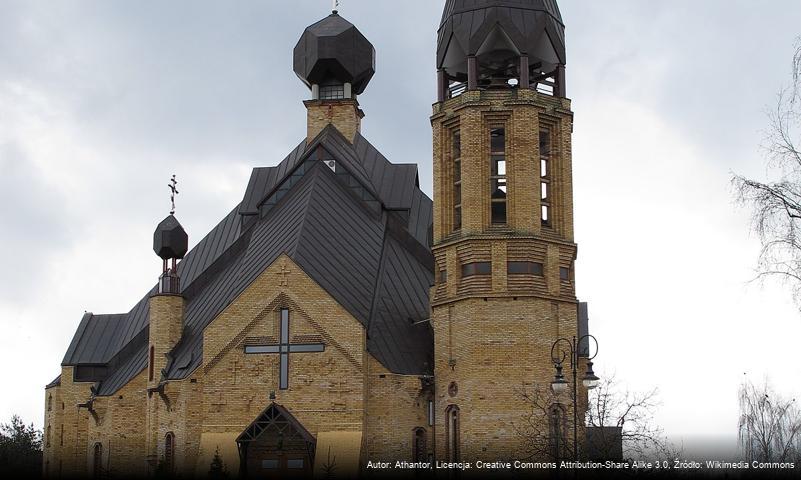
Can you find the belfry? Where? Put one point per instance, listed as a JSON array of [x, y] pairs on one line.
[[503, 217], [337, 316]]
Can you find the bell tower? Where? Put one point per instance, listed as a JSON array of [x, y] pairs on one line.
[[503, 219]]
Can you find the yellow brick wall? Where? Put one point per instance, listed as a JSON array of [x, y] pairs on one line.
[[120, 429], [166, 325], [493, 333], [344, 114], [493, 350], [66, 453], [396, 406]]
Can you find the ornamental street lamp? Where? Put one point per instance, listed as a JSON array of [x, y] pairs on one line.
[[559, 385]]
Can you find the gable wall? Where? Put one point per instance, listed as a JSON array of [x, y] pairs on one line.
[[326, 390]]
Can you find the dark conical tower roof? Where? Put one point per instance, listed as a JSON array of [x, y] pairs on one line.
[[170, 240], [496, 31], [333, 49]]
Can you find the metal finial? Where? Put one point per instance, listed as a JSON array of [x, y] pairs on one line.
[[335, 9], [173, 192]]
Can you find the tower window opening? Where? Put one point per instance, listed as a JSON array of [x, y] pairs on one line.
[[564, 274], [498, 186], [545, 176], [525, 268], [546, 85], [332, 92], [557, 432], [457, 181], [476, 268]]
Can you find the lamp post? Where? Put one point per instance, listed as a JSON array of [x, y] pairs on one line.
[[559, 385]]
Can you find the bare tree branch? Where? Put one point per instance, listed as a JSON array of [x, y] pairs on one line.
[[777, 204], [769, 425]]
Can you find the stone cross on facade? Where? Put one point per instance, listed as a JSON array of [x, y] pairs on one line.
[[284, 281], [283, 349]]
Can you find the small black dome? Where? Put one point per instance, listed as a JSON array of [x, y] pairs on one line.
[[334, 50], [498, 32], [170, 240]]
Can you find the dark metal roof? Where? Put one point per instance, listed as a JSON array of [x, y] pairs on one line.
[[55, 383], [334, 49], [471, 27], [395, 185], [376, 263], [170, 239]]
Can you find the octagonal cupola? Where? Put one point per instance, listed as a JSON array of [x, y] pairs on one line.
[[501, 44], [170, 242], [334, 59]]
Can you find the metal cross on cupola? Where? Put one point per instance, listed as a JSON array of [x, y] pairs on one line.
[[283, 349], [173, 185]]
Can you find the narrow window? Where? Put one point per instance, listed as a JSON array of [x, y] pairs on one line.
[[556, 432], [61, 436], [419, 450], [525, 268], [498, 175], [169, 452], [283, 381], [48, 435], [457, 181], [564, 274], [545, 176], [50, 402], [294, 464], [443, 276], [476, 268], [97, 468], [150, 363], [452, 416]]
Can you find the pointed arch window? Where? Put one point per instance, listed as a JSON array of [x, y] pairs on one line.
[[97, 460], [419, 449], [557, 432], [169, 452], [452, 433]]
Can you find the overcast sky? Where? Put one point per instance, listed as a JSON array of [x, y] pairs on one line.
[[101, 101]]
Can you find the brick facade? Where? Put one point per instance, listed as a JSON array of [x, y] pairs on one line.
[[342, 389], [494, 330]]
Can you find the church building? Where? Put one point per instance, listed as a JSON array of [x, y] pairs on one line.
[[338, 316]]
